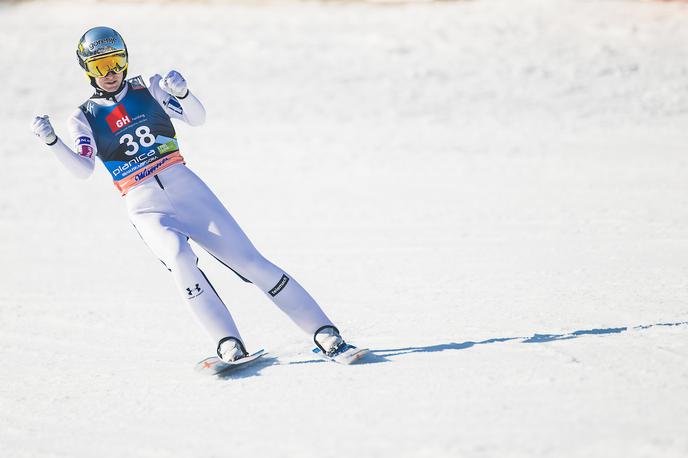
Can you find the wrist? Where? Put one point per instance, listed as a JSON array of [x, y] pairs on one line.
[[186, 94], [51, 141]]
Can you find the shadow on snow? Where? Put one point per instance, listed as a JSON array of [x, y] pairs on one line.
[[382, 355], [249, 371]]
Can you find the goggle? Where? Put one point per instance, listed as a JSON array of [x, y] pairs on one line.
[[100, 66]]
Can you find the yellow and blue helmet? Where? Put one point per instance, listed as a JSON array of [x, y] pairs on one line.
[[102, 50]]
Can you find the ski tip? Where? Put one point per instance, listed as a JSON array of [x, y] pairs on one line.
[[209, 364]]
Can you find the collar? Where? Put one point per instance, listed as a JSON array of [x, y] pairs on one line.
[[114, 97]]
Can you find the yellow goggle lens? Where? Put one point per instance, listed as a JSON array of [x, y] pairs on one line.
[[102, 65]]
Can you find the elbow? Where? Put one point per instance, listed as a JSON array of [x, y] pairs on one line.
[[195, 111], [84, 171], [79, 166], [84, 174], [198, 119]]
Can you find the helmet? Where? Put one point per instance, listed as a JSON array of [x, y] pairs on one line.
[[102, 50]]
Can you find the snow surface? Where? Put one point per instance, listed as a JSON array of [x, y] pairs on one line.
[[490, 194]]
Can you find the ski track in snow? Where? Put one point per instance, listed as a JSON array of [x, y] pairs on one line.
[[491, 195]]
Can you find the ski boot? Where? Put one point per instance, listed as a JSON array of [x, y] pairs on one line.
[[331, 346]]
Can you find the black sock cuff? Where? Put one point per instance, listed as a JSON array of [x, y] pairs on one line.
[[320, 329]]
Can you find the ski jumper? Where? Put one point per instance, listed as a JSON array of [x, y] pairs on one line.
[[168, 204]]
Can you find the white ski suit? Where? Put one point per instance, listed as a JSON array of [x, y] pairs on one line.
[[168, 204]]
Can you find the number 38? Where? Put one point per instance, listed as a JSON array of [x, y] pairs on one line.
[[145, 138]]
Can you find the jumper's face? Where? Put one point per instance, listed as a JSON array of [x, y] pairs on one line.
[[110, 82]]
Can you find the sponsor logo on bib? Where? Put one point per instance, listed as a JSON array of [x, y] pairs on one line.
[[118, 119], [137, 83]]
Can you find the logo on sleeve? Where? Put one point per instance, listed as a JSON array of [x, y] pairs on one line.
[[174, 105], [118, 119], [83, 147]]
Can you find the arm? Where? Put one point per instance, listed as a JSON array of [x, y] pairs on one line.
[[81, 163], [172, 94]]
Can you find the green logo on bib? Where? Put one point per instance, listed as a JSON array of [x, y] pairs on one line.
[[168, 147]]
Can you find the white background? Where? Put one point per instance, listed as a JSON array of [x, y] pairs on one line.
[[447, 179]]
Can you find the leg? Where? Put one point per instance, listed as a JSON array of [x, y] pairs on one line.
[[212, 227], [235, 250], [172, 248]]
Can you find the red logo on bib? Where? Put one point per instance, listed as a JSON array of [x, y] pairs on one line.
[[118, 118]]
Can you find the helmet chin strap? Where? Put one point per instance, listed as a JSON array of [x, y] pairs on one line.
[[103, 94]]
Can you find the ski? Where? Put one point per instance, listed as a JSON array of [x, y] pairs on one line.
[[347, 355], [214, 365]]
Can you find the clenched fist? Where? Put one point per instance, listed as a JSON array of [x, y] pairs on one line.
[[44, 130], [174, 84]]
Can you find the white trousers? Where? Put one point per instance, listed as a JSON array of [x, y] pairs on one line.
[[176, 205]]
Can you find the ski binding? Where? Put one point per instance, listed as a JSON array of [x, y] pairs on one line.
[[347, 354]]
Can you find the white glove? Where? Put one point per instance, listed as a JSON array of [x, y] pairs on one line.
[[43, 130], [174, 84]]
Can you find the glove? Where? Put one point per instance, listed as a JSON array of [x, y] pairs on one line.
[[174, 84], [42, 128]]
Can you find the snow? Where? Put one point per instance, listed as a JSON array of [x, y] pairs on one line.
[[491, 195]]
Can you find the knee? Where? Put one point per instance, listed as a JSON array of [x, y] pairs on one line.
[[179, 256], [253, 265]]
